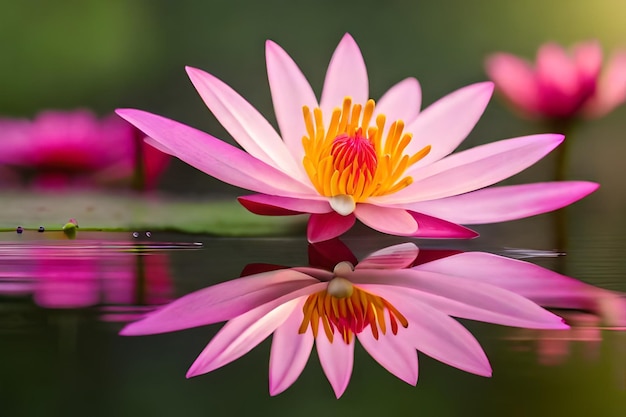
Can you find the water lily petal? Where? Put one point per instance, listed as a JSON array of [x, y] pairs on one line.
[[473, 169], [588, 61], [393, 352], [555, 69], [392, 257], [465, 298], [213, 156], [498, 204], [290, 92], [240, 335], [401, 102], [329, 253], [318, 274], [390, 220], [271, 205], [445, 123], [337, 360], [428, 226], [437, 334], [611, 89], [327, 226], [220, 302], [290, 352], [541, 285], [245, 124], [515, 79], [346, 77]]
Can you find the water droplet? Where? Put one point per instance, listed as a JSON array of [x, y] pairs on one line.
[[135, 235], [19, 229], [148, 234], [41, 229]]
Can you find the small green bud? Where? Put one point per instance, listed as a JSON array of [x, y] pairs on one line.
[[69, 229]]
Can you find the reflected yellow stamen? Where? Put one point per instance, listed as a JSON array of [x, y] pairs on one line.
[[351, 158], [349, 310]]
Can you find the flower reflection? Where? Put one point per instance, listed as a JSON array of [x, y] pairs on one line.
[[390, 301], [122, 282], [553, 348], [346, 158], [561, 85], [62, 148], [589, 310], [545, 287]]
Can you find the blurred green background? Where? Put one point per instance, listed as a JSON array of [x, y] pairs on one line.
[[118, 53]]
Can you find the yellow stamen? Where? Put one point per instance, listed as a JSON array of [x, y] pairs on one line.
[[349, 310], [352, 159]]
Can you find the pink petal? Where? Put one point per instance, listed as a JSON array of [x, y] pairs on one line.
[[498, 204], [387, 219], [466, 298], [337, 359], [436, 334], [429, 255], [588, 60], [445, 123], [290, 92], [245, 124], [271, 205], [327, 226], [318, 274], [515, 79], [240, 335], [290, 352], [329, 253], [395, 353], [474, 168], [220, 302], [346, 77], [611, 90], [433, 227], [556, 69], [259, 268], [213, 156], [539, 284], [392, 257], [401, 102]]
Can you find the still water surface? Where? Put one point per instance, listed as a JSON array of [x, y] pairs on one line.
[[63, 302]]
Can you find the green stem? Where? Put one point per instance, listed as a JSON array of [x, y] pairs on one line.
[[560, 173], [562, 152]]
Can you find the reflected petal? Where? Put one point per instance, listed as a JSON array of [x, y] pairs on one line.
[[337, 360], [290, 352]]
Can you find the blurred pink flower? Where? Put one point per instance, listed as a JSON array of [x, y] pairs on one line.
[[561, 85], [75, 147], [345, 158], [389, 306]]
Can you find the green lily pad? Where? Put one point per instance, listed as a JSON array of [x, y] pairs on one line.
[[125, 211]]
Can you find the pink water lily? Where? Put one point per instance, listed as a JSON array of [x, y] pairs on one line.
[[346, 157], [561, 84], [60, 148], [391, 308]]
